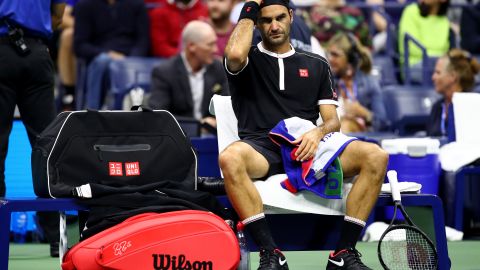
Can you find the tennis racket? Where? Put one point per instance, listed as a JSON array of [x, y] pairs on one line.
[[405, 246]]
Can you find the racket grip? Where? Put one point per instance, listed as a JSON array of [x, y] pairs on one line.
[[392, 178]]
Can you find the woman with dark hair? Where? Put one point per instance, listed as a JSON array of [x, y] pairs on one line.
[[428, 23], [454, 72], [358, 92]]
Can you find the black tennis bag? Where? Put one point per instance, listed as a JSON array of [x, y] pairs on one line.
[[116, 148]]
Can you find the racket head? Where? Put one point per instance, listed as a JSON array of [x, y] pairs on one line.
[[406, 247]]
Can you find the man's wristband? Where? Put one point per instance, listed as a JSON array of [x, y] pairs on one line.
[[249, 11]]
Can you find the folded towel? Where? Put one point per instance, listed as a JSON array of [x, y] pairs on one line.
[[406, 187], [311, 174]]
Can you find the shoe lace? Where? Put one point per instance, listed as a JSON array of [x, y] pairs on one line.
[[357, 255], [267, 258]]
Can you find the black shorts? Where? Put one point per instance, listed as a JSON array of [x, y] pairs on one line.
[[270, 151]]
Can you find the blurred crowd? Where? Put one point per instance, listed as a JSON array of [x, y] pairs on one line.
[[352, 35]]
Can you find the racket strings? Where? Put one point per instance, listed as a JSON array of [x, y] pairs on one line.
[[404, 248]]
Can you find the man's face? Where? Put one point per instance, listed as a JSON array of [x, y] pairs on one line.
[[219, 10], [205, 50], [274, 24]]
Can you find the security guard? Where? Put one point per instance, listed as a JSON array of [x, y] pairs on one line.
[[27, 78]]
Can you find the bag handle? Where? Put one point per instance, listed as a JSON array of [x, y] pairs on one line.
[[140, 108], [140, 216]]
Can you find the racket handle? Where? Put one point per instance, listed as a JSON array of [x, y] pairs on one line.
[[392, 178]]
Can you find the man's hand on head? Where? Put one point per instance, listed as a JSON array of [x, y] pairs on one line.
[[308, 144]]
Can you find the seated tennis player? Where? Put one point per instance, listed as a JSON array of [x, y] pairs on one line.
[[271, 82]]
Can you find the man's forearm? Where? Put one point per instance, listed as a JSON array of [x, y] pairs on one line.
[[240, 41], [241, 37], [328, 127]]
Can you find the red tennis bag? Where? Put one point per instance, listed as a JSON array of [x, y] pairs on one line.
[[188, 239]]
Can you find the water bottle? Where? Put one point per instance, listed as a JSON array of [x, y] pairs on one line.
[[19, 227], [244, 252]]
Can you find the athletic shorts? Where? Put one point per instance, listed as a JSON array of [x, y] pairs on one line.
[[270, 151]]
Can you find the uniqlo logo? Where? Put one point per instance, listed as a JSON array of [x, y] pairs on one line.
[[303, 72], [115, 169], [132, 168], [248, 9]]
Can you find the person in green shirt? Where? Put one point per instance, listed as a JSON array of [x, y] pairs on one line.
[[427, 22]]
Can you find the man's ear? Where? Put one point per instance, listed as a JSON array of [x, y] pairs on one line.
[[191, 47], [290, 11], [456, 77]]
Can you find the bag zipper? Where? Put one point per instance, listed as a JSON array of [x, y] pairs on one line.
[[119, 148]]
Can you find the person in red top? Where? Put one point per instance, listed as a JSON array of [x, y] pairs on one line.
[[167, 22], [219, 12]]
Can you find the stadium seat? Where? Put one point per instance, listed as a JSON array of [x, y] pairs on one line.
[[408, 107], [127, 74], [467, 112], [428, 63], [80, 87], [385, 67]]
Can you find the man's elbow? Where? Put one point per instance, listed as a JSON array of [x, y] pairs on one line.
[[234, 61], [234, 56]]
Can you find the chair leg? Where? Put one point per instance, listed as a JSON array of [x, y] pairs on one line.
[[459, 199], [5, 217]]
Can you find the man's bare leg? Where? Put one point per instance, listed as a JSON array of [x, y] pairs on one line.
[[369, 162], [240, 163]]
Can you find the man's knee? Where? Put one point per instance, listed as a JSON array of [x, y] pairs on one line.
[[376, 159], [231, 161]]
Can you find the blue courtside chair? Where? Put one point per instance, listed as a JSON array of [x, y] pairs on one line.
[[408, 107], [127, 74]]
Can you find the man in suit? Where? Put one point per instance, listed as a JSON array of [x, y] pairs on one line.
[[185, 83]]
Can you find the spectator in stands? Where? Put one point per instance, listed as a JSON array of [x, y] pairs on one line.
[[328, 17], [428, 23], [66, 61], [470, 29], [107, 30], [219, 17], [454, 72], [379, 39], [167, 22], [27, 80], [185, 83], [358, 91]]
